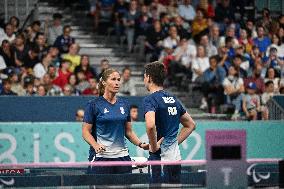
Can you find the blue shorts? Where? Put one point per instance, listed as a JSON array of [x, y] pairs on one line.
[[110, 169], [163, 174]]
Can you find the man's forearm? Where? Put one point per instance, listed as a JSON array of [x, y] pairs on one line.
[[151, 132]]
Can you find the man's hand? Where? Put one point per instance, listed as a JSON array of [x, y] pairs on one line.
[[158, 146], [100, 148]]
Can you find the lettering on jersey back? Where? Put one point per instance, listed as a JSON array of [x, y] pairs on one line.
[[169, 100], [172, 110]]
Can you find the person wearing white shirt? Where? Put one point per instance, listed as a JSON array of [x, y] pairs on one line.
[[234, 89], [186, 10], [8, 35], [199, 64]]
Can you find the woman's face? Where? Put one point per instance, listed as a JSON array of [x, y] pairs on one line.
[[112, 84], [271, 73], [275, 39], [232, 71], [200, 51], [85, 60], [72, 80]]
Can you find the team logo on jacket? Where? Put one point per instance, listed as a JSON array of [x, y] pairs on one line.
[[105, 110], [122, 110]]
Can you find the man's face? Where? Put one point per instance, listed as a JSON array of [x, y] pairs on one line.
[[134, 114]]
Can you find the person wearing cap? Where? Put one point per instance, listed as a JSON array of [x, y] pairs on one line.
[[54, 30], [251, 102]]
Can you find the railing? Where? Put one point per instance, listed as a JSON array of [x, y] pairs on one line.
[[18, 8], [276, 112]]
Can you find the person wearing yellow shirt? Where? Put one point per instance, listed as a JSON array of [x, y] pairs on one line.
[[199, 23], [73, 56]]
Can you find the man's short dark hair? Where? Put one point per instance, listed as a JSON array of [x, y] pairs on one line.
[[57, 16], [238, 56], [133, 106], [156, 71], [267, 83]]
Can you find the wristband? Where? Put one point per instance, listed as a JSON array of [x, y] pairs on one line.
[[140, 144]]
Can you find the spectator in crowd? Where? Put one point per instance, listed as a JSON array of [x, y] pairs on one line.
[[85, 67], [40, 41], [82, 82], [15, 22], [251, 102], [212, 88], [199, 64], [119, 10], [9, 34], [133, 113], [7, 88], [276, 43], [256, 79], [240, 66], [80, 115], [129, 21], [41, 68], [20, 50], [172, 9], [182, 27], [184, 54], [127, 87], [250, 28], [272, 76], [29, 88], [265, 97], [153, 42], [261, 41], [92, 89], [211, 50], [67, 90], [31, 59], [8, 54], [51, 89], [272, 61], [157, 8], [186, 11], [102, 9], [199, 23], [63, 74], [72, 81], [16, 85], [214, 35], [73, 56], [36, 27], [64, 41], [265, 20], [53, 53], [41, 91], [233, 90], [52, 31], [245, 41], [104, 64]]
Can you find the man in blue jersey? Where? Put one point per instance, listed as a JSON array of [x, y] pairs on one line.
[[163, 114]]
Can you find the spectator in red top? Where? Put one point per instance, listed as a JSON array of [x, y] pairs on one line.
[[85, 67], [63, 74], [93, 89], [257, 79]]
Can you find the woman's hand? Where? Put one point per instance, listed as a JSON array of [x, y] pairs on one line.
[[99, 148], [144, 146]]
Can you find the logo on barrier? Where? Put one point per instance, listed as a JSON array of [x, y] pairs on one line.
[[6, 182], [257, 177]]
